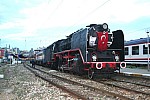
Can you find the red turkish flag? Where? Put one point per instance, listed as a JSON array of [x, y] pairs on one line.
[[102, 40]]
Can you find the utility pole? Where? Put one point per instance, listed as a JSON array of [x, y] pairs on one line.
[[25, 43], [0, 44], [148, 67]]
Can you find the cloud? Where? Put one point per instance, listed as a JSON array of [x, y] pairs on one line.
[[128, 10], [46, 19], [65, 13], [60, 13], [7, 25]]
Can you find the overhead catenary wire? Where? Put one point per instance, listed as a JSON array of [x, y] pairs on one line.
[[57, 7], [139, 30], [136, 34], [87, 15], [52, 13]]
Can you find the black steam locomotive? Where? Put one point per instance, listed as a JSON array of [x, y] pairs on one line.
[[92, 50]]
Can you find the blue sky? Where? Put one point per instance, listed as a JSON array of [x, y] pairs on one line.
[[30, 24]]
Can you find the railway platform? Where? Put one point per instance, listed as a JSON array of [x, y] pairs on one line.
[[135, 72]]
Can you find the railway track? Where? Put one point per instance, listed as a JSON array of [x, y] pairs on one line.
[[126, 91], [77, 89], [136, 83], [51, 80], [139, 89], [133, 80], [144, 90]]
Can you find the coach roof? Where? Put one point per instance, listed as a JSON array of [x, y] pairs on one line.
[[136, 41]]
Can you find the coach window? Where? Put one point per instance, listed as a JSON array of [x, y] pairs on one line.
[[145, 49], [135, 50], [126, 51]]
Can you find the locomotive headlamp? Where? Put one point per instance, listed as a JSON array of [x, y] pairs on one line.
[[117, 57], [105, 26], [94, 57]]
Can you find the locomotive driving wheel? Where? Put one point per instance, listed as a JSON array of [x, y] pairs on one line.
[[90, 73]]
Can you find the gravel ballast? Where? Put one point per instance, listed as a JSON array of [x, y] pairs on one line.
[[19, 83]]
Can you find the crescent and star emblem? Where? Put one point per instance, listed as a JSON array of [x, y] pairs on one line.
[[103, 37]]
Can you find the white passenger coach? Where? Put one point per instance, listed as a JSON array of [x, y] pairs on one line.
[[136, 51]]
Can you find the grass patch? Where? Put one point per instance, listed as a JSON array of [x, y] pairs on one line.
[[137, 66]]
